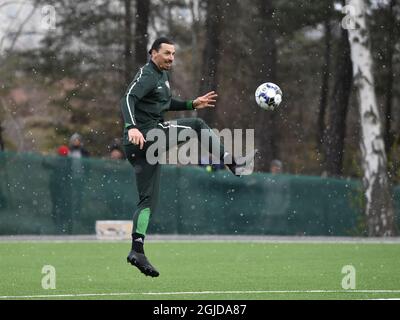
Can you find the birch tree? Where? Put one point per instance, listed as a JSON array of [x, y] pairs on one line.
[[379, 203]]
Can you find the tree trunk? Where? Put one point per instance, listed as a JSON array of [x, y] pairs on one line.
[[335, 131], [325, 80], [211, 53], [141, 35], [379, 203], [128, 41], [266, 140], [211, 56], [1, 139], [134, 61], [389, 136], [194, 12]]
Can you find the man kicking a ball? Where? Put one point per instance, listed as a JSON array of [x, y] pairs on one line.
[[143, 106]]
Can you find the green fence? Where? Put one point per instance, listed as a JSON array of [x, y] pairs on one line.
[[56, 195]]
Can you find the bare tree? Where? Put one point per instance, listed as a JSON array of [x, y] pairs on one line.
[[128, 40], [195, 17], [391, 22], [267, 142], [141, 19], [379, 203], [141, 33], [14, 36], [211, 54], [336, 128], [1, 139], [325, 78]]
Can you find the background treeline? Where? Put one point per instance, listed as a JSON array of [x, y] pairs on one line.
[[73, 79]]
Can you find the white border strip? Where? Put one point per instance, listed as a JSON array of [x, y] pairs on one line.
[[204, 238], [194, 293]]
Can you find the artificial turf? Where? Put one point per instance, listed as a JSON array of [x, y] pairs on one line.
[[200, 270]]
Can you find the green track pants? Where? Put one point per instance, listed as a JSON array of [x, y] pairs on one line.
[[148, 175]]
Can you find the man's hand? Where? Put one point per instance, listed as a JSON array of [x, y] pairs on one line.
[[208, 100], [136, 137]]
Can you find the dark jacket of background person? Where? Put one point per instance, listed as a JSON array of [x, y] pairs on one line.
[[60, 189], [79, 171]]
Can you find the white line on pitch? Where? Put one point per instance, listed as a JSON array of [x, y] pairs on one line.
[[193, 293]]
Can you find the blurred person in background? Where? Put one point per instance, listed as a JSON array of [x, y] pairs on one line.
[[116, 152], [114, 172], [60, 189], [276, 166], [79, 169], [76, 148]]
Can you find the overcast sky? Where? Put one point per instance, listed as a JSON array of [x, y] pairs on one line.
[[14, 13]]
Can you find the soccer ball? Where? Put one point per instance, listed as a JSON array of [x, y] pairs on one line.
[[268, 96]]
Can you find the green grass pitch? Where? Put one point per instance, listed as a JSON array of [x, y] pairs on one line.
[[200, 270]]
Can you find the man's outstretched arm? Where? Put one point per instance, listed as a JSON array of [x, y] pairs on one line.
[[207, 100]]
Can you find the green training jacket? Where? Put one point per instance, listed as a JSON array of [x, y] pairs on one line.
[[147, 99]]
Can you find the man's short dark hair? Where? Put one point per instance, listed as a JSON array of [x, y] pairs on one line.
[[158, 42]]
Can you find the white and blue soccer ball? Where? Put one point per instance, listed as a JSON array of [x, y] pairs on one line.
[[268, 96]]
